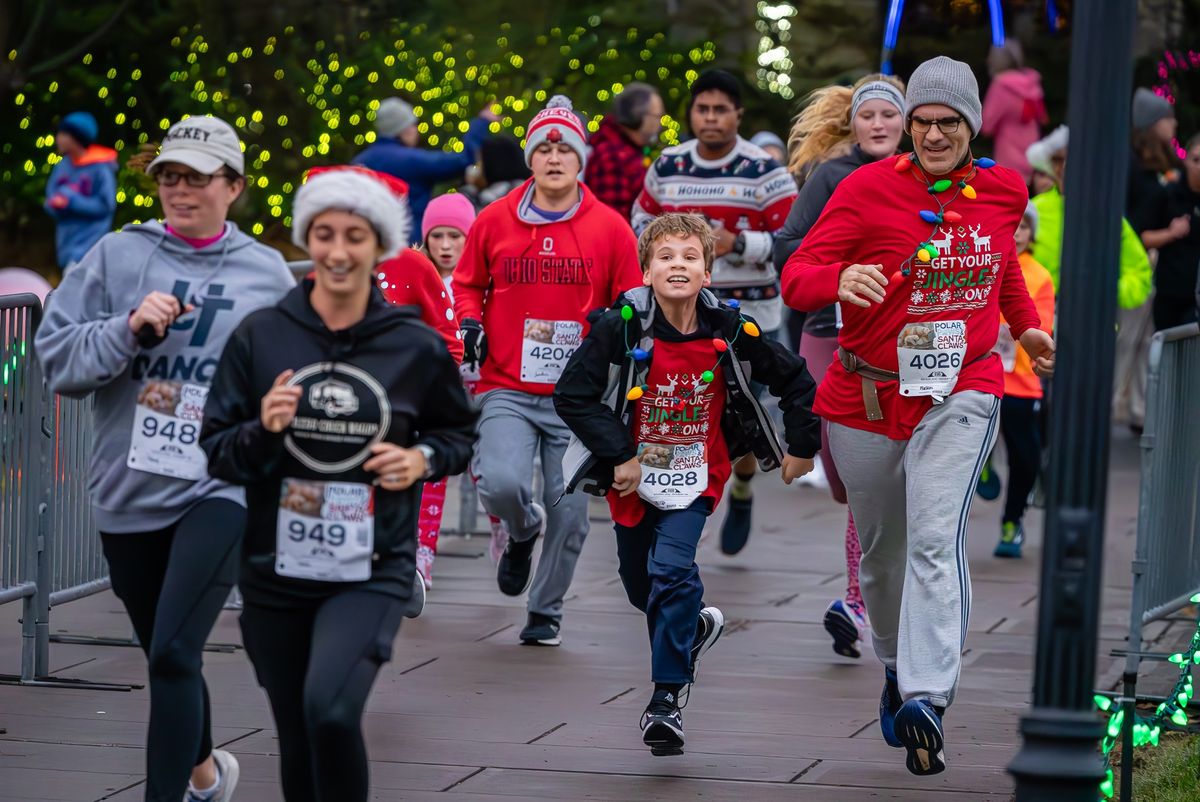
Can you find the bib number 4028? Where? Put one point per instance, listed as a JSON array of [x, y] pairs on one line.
[[936, 360], [673, 479], [169, 431], [331, 535]]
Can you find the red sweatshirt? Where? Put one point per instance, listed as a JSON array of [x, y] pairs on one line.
[[873, 218], [533, 285], [410, 278]]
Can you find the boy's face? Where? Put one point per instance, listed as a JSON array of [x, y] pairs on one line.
[[676, 270], [1023, 236]]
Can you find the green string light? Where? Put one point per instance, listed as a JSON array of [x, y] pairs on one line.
[[1146, 730]]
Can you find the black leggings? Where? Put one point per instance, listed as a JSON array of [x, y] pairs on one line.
[[173, 582], [317, 665], [1021, 426]]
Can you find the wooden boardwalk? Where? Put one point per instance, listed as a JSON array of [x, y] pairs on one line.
[[465, 713]]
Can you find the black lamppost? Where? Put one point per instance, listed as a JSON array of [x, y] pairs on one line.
[[1059, 760]]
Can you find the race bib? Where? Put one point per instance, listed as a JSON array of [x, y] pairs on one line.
[[673, 476], [1006, 347], [326, 531], [546, 345], [165, 439], [930, 356]]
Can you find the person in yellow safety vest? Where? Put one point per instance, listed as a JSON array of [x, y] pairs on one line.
[[1133, 283]]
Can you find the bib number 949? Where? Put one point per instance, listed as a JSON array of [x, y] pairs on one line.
[[329, 535]]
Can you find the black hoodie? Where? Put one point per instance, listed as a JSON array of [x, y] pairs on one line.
[[387, 378]]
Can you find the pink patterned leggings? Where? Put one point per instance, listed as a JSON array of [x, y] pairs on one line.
[[429, 523]]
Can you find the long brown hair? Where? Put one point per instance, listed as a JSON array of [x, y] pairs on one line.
[[1153, 153], [822, 129]]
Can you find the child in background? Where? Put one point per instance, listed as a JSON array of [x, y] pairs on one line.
[[444, 230], [1020, 407], [666, 453]]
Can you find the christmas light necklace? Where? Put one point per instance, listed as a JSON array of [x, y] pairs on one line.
[[926, 251], [720, 345]]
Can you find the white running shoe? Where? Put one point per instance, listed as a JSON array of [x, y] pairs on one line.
[[228, 769]]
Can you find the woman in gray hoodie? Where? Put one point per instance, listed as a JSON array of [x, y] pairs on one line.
[[139, 325]]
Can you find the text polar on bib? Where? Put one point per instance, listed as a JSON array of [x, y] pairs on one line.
[[165, 439]]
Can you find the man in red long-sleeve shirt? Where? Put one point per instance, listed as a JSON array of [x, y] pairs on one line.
[[918, 248], [534, 265]]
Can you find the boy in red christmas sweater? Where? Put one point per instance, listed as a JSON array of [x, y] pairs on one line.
[[535, 264], [918, 248], [658, 398]]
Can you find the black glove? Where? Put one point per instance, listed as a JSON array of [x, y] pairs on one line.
[[474, 343]]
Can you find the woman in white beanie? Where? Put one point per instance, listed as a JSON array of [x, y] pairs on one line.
[[840, 130], [332, 408]]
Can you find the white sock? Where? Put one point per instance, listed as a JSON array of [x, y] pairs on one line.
[[205, 793]]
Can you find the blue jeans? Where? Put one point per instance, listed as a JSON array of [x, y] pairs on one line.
[[657, 564]]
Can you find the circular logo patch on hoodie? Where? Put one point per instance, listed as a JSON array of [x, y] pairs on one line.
[[342, 412]]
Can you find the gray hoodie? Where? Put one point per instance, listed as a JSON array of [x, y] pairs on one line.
[[146, 468]]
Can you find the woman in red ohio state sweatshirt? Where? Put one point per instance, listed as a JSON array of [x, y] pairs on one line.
[[918, 251]]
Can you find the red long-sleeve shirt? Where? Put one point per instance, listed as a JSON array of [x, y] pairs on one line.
[[873, 219], [410, 278], [533, 285]]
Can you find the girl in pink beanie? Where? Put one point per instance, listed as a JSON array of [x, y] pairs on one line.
[[444, 230]]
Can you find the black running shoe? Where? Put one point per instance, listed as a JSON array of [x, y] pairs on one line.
[[709, 626], [889, 705], [736, 529], [919, 730], [662, 724], [541, 630], [514, 571]]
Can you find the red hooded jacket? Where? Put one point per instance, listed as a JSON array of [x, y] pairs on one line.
[[533, 285]]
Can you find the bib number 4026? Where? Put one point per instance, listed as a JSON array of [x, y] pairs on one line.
[[936, 360], [672, 479], [331, 535]]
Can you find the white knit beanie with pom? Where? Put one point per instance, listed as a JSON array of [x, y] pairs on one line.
[[558, 122], [378, 198]]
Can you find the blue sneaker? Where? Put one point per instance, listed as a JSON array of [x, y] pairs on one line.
[[846, 624], [918, 726], [988, 486], [1012, 537], [889, 703]]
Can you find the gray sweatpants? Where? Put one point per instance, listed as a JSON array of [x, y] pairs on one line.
[[513, 428], [910, 500]]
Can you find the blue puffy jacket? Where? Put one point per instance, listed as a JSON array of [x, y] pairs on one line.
[[89, 187]]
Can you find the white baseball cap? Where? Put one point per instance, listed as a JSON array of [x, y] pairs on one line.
[[203, 143]]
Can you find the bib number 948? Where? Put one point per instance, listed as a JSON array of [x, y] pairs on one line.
[[170, 431]]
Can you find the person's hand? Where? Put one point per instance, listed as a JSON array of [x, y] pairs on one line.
[[279, 404], [474, 343], [398, 467], [157, 310], [1040, 347], [59, 202], [795, 467], [725, 239], [627, 476], [862, 284], [1180, 227]]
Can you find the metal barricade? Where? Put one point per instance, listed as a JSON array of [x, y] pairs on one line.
[[1166, 561], [75, 558], [21, 471]]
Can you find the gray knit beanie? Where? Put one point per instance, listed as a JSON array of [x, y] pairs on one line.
[[393, 116], [1149, 108], [947, 82]]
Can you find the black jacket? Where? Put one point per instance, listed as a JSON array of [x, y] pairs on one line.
[[590, 394], [815, 193], [387, 378]]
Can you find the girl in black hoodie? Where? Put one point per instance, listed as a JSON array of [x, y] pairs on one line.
[[332, 408]]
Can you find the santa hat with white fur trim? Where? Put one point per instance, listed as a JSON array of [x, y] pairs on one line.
[[558, 122], [379, 198]]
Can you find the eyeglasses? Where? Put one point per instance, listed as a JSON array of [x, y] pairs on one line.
[[947, 125], [169, 178]]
